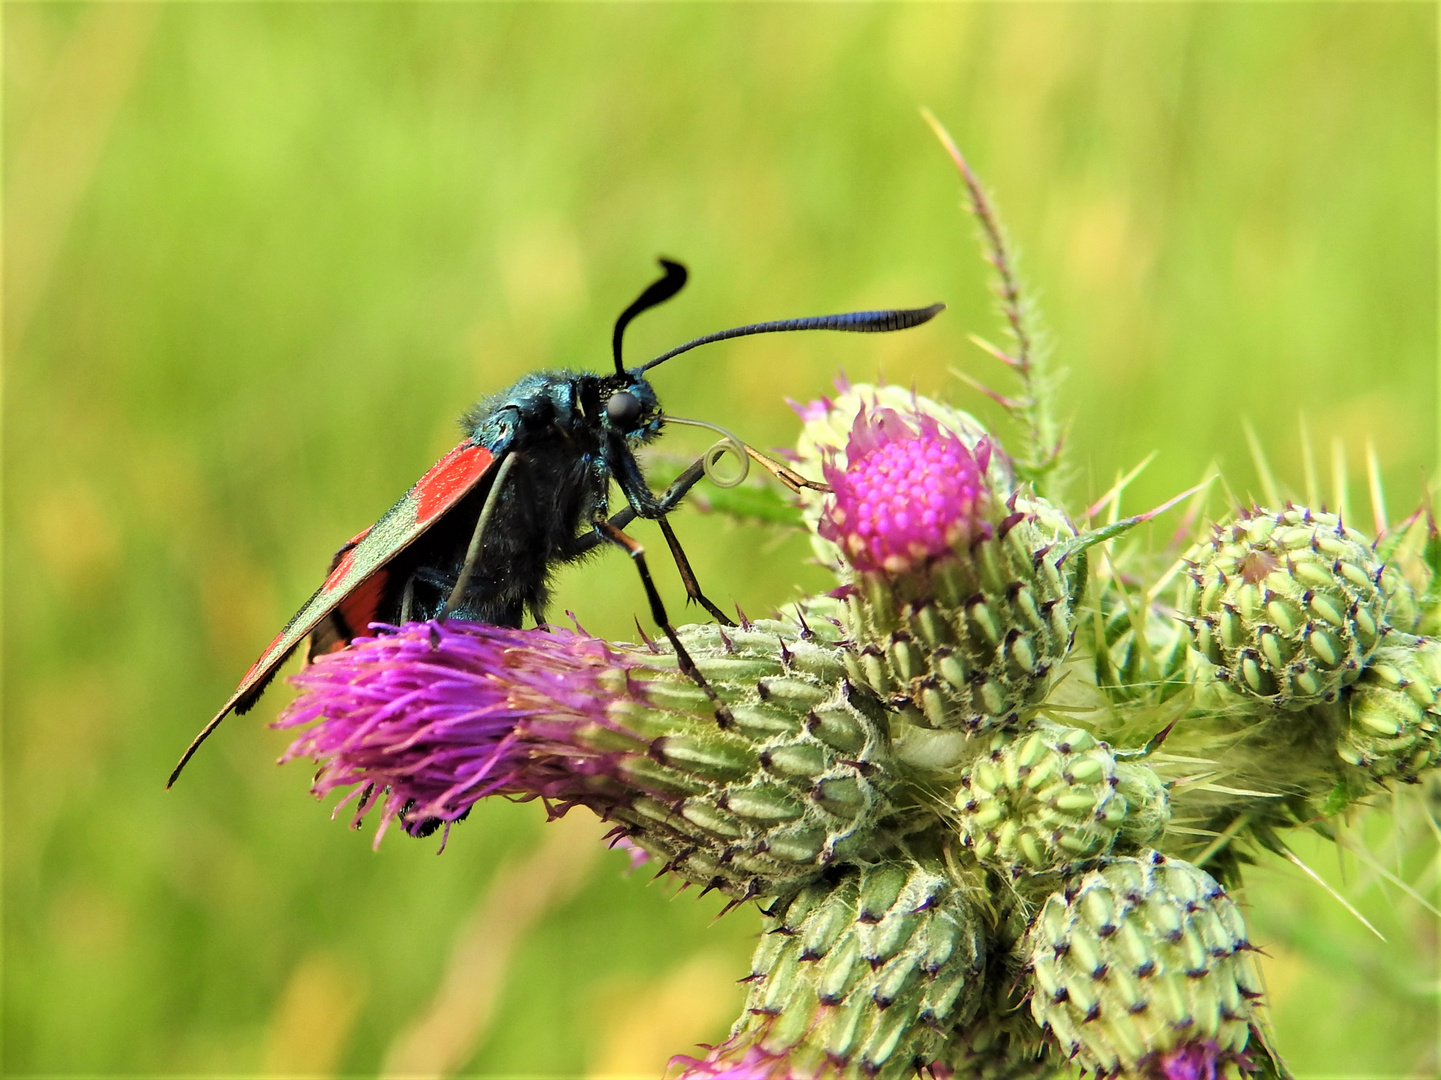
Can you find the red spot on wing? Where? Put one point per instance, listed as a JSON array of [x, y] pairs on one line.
[[344, 559], [342, 568], [362, 606], [452, 476], [437, 491], [268, 650]]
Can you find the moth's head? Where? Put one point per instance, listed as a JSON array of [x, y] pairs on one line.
[[629, 408]]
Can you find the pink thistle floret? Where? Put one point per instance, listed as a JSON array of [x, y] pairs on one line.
[[639, 856], [754, 1064], [431, 717], [821, 408], [910, 491]]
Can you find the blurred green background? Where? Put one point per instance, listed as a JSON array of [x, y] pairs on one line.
[[258, 257]]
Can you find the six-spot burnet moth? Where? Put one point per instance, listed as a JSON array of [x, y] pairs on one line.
[[525, 491]]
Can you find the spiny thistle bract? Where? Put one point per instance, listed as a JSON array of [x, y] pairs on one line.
[[1001, 1045], [1050, 798], [1412, 576], [1393, 727], [1286, 604], [434, 716], [1140, 960], [959, 604], [861, 975]]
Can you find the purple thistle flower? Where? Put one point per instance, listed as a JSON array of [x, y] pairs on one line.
[[431, 717], [426, 719], [910, 491], [639, 856], [720, 1064], [1195, 1061], [811, 411]]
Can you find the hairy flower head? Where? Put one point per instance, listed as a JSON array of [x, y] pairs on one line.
[[434, 716], [909, 491]]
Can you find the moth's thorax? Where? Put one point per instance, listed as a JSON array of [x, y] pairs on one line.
[[576, 408]]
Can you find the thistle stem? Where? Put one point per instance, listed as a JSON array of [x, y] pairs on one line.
[[1034, 408]]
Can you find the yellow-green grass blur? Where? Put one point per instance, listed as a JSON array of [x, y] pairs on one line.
[[259, 256]]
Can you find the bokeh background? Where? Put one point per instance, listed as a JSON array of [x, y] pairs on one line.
[[259, 256]]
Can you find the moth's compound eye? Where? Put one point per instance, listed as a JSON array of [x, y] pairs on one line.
[[623, 409]]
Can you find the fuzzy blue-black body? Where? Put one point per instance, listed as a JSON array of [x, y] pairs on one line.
[[569, 434]]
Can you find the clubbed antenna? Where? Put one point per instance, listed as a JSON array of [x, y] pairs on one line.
[[857, 322], [1033, 408], [657, 292]]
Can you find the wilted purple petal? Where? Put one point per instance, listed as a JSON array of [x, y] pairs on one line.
[[430, 717], [811, 410], [821, 408]]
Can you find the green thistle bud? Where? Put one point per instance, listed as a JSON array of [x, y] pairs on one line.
[[1148, 806], [1393, 727], [1287, 605], [1140, 959], [1403, 605], [959, 604], [1051, 798], [1412, 554], [860, 976], [800, 781], [1003, 1046]]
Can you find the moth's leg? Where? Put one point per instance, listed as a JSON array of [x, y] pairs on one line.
[[407, 600], [668, 500], [477, 538], [687, 575], [663, 504], [672, 495], [636, 551]]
